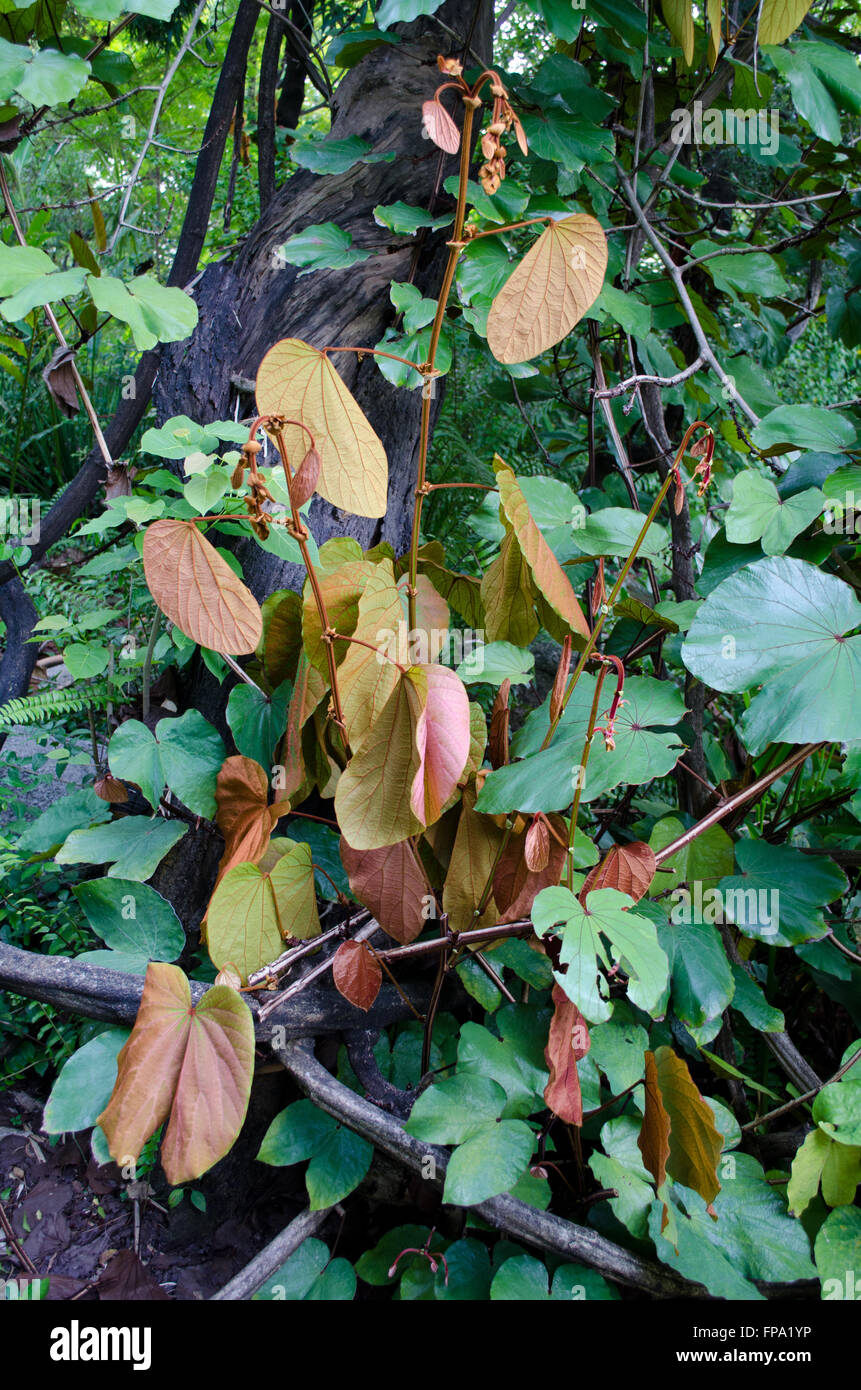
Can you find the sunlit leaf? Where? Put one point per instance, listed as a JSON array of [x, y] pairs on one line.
[[197, 589]]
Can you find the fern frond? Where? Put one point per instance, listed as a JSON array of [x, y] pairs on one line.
[[47, 704]]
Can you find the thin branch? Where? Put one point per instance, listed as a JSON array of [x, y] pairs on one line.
[[272, 1256]]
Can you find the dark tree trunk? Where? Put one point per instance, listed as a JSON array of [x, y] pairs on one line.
[[247, 304]]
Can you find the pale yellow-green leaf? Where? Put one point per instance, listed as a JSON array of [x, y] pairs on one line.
[[713, 15], [298, 382], [780, 18], [255, 908], [549, 291], [366, 678], [679, 19], [506, 595], [372, 801]]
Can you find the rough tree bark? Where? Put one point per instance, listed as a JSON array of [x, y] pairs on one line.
[[246, 304]]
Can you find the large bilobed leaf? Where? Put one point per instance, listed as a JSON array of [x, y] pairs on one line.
[[702, 978], [567, 1043], [507, 598], [192, 1062], [473, 856], [780, 18], [780, 893], [185, 753], [255, 909], [821, 1160], [544, 779], [391, 884], [453, 1109], [330, 156], [339, 1159], [694, 1142], [155, 313], [197, 589], [548, 575], [257, 721], [805, 427], [366, 679], [324, 246], [780, 623], [679, 18], [614, 531], [754, 1228], [52, 77], [310, 1275], [373, 800], [489, 1162], [296, 381], [84, 1085], [633, 941], [758, 512], [549, 291], [442, 739], [131, 917], [134, 846], [244, 815], [403, 11], [685, 1246], [506, 1061]]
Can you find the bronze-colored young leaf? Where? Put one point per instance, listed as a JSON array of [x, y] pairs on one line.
[[193, 1063], [627, 868], [549, 291], [506, 594], [653, 1140], [439, 127], [499, 719], [373, 797], [442, 738], [244, 816], [473, 856], [695, 1144], [567, 1041], [342, 589], [515, 885], [305, 478], [297, 382], [309, 689], [536, 846], [197, 589], [366, 678], [256, 908], [391, 884], [547, 573], [357, 974]]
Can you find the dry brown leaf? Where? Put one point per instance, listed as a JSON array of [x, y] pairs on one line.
[[499, 717], [197, 589], [627, 868], [439, 127], [536, 846], [60, 381], [356, 973], [567, 1041], [515, 886], [299, 383], [654, 1137], [244, 816], [391, 884], [547, 573], [549, 291]]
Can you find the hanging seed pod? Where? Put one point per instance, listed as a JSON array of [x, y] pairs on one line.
[[238, 476], [305, 478], [561, 680]]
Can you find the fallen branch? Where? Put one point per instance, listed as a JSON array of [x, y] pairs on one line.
[[271, 1257], [537, 1228]]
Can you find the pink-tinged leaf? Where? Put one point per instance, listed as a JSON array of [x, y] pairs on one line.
[[442, 739], [391, 884], [357, 974], [440, 127], [194, 1063]]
